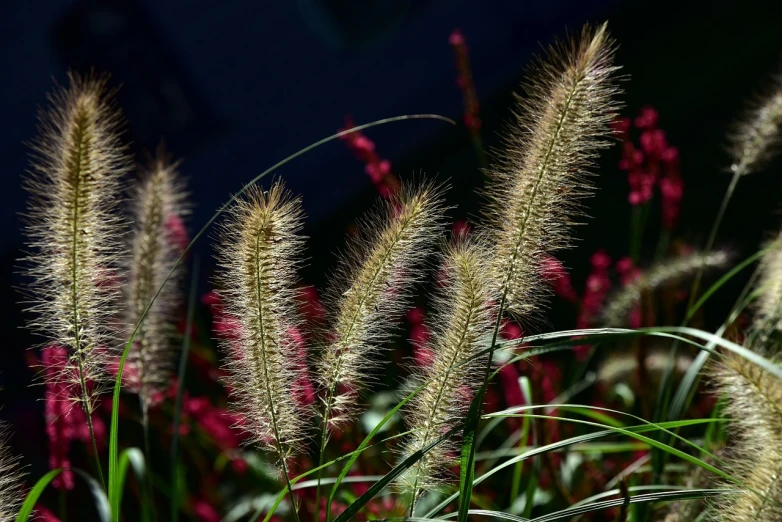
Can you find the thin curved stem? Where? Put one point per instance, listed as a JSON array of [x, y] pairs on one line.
[[737, 172], [94, 444]]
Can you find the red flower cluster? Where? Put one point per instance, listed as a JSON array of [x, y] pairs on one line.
[[597, 286], [216, 422], [555, 273], [628, 273], [65, 422], [44, 515], [650, 162], [377, 168], [464, 79]]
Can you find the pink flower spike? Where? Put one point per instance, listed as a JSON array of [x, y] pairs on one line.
[[600, 260], [647, 118], [456, 38], [204, 511]]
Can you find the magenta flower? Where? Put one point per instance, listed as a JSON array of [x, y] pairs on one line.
[[377, 168], [64, 422]]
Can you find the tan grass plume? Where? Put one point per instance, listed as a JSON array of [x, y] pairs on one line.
[[754, 405], [74, 229], [768, 306], [756, 135], [544, 169], [371, 289], [158, 208], [258, 256], [463, 318], [669, 271], [11, 495]]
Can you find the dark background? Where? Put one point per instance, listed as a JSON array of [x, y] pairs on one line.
[[233, 87]]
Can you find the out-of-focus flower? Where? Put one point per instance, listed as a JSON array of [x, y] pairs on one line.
[[651, 162], [64, 421], [204, 511], [464, 79], [44, 515], [598, 284], [377, 168], [556, 274]]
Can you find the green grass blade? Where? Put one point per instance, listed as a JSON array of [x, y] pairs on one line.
[[378, 486], [191, 301], [664, 496], [467, 462], [284, 491], [720, 282], [498, 514], [35, 493], [631, 489], [690, 379], [581, 509], [594, 413], [716, 340], [98, 495], [135, 457], [569, 442]]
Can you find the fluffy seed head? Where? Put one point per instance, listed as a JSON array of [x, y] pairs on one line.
[[754, 403], [371, 291], [74, 229], [756, 135], [668, 271], [159, 209], [461, 328], [10, 481], [768, 306], [258, 255], [544, 168]]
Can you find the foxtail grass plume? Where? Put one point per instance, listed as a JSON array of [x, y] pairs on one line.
[[768, 306], [754, 403], [756, 135], [668, 271], [464, 316], [259, 252], [75, 231], [159, 208], [11, 496], [544, 168], [372, 287]]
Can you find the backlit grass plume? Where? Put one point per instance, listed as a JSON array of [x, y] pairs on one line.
[[754, 405], [544, 168], [258, 255], [668, 271], [159, 208], [74, 229], [768, 306], [11, 495], [756, 135], [372, 286], [464, 316]]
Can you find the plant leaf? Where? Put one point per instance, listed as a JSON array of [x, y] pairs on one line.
[[35, 494]]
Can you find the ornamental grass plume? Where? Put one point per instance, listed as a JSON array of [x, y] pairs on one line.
[[74, 230], [464, 315], [544, 170], [754, 403], [373, 284], [768, 306], [158, 208], [10, 481], [669, 271], [756, 135], [258, 254]]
